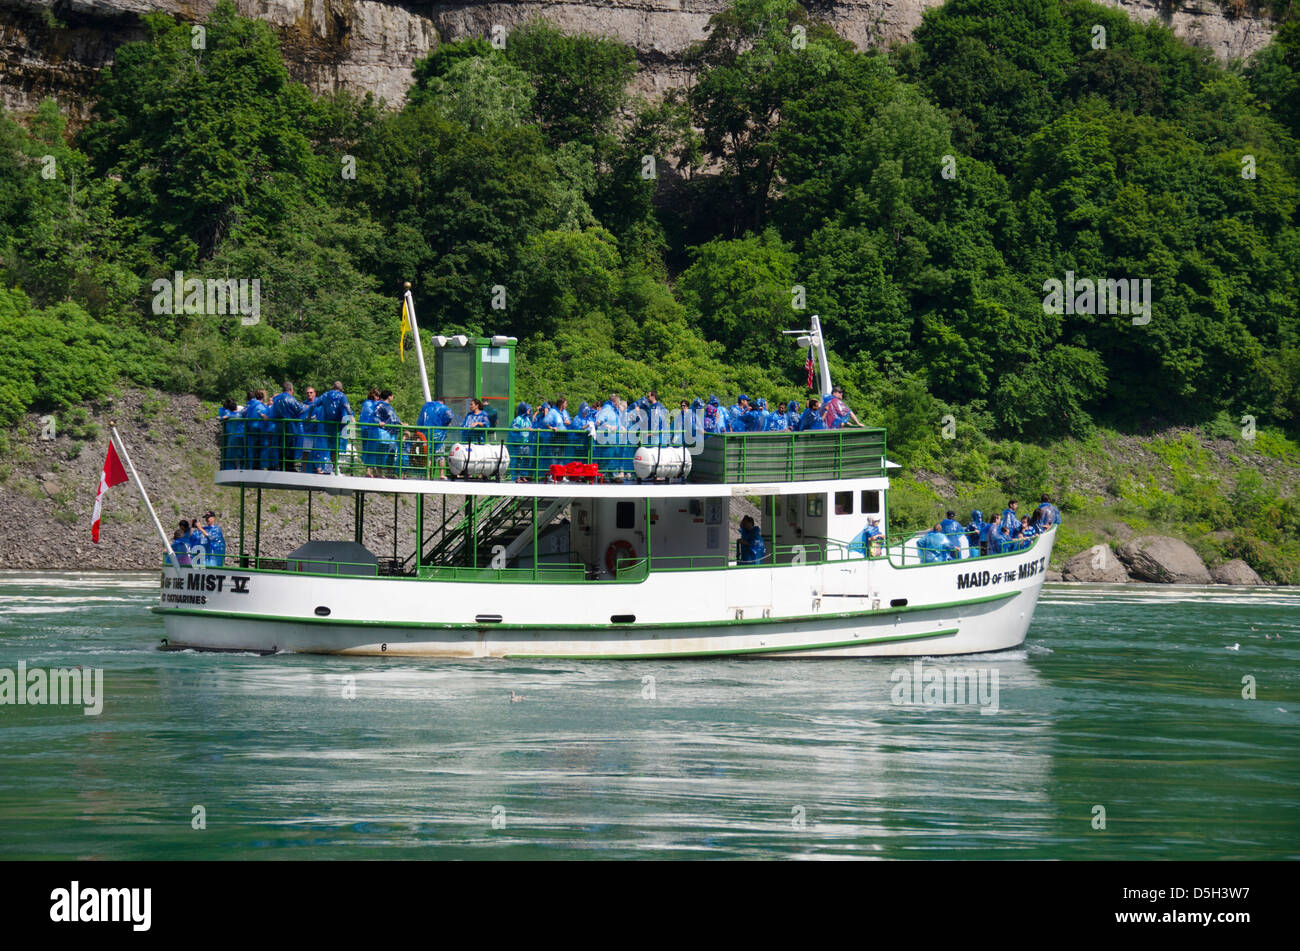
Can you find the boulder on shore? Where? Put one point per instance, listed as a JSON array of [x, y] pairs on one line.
[[1163, 560], [1235, 572], [1052, 575], [1097, 564]]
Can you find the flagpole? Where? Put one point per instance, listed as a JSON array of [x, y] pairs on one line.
[[821, 353], [117, 438], [419, 351]]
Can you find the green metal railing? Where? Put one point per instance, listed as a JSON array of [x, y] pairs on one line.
[[911, 553], [421, 452], [629, 570], [791, 457]]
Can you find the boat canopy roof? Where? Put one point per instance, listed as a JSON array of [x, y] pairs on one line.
[[348, 485]]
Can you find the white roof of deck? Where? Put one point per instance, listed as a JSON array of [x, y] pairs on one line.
[[254, 478]]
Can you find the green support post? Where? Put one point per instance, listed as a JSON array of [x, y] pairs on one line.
[[257, 531], [419, 531]]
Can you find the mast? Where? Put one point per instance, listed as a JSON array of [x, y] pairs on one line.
[[813, 338], [820, 341], [419, 351]]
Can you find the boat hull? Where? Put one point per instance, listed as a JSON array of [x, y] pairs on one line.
[[861, 608]]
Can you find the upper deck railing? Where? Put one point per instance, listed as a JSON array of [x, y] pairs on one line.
[[423, 452]]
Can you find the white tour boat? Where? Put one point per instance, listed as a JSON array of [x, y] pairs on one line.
[[569, 545]]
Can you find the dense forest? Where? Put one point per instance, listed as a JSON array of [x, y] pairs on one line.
[[921, 200]]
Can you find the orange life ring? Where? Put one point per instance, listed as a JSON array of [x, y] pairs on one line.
[[419, 450], [618, 547]]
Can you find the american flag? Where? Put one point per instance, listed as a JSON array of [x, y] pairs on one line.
[[808, 365]]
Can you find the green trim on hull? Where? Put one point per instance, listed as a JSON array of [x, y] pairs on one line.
[[736, 650], [669, 625]]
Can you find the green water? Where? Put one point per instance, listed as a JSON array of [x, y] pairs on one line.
[[1124, 697]]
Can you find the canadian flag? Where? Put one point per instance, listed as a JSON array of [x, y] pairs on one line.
[[112, 475]]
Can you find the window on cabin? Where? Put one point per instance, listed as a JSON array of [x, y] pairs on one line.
[[816, 506], [625, 515], [870, 501], [843, 503]]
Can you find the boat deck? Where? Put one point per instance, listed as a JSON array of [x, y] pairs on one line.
[[279, 453]]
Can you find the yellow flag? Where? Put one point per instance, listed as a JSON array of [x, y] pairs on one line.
[[406, 328]]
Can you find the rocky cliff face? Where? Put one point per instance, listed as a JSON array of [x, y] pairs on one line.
[[55, 47]]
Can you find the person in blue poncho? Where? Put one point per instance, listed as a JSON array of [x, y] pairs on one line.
[[1027, 532], [435, 416], [474, 425], [180, 546], [315, 460], [257, 437], [954, 530], [609, 423], [715, 417], [935, 545], [232, 435], [752, 547], [736, 414], [776, 421], [520, 444], [870, 540], [584, 420], [1009, 520], [286, 435], [556, 439], [334, 410], [658, 425], [812, 417], [214, 541], [194, 540], [389, 432], [998, 540], [976, 533], [686, 427], [1047, 514], [367, 431], [558, 417], [792, 416]]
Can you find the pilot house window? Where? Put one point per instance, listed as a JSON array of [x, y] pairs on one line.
[[843, 503], [870, 501]]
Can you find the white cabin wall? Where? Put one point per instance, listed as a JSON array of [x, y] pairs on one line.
[[681, 528]]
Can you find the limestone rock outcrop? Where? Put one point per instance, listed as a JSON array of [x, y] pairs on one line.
[[1097, 564], [1235, 572], [56, 50], [1162, 559]]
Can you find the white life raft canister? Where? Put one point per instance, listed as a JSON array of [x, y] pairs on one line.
[[662, 462], [476, 460]]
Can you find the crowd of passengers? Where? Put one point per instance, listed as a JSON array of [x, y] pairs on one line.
[[1010, 532], [198, 543], [308, 435]]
